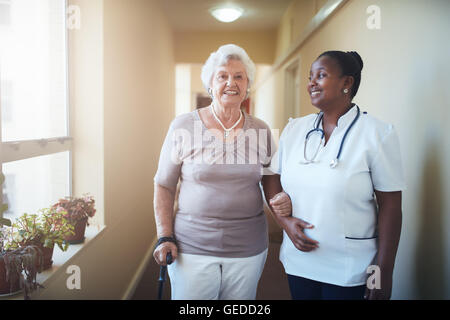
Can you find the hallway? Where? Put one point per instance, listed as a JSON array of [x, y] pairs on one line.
[[96, 117], [403, 83]]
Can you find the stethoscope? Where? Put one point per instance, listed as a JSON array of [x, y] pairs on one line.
[[316, 128]]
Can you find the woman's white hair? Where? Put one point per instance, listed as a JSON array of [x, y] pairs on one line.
[[221, 57]]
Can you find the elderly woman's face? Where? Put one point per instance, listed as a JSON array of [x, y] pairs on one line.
[[229, 83]]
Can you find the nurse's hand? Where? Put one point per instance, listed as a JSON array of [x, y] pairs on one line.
[[384, 293], [281, 204], [294, 228]]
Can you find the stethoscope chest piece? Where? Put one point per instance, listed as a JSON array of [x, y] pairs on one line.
[[334, 163]]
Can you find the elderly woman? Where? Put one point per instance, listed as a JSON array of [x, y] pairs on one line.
[[342, 169], [218, 236]]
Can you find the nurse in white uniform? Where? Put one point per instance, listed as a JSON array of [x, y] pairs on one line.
[[342, 170]]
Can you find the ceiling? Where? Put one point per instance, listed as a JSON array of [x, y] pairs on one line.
[[193, 15]]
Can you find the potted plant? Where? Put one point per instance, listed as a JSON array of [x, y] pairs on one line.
[[14, 263], [43, 230], [79, 210], [18, 270], [9, 282]]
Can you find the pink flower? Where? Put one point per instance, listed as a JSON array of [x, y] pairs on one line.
[[60, 209]]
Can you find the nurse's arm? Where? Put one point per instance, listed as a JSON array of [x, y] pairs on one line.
[[164, 200], [389, 228]]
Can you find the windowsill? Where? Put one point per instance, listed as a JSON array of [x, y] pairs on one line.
[[61, 260]]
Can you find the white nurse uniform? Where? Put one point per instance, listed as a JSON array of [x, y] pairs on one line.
[[338, 201]]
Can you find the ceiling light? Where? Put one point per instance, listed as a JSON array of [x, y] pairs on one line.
[[226, 14]]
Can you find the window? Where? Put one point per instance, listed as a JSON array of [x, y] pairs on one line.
[[35, 137], [44, 178]]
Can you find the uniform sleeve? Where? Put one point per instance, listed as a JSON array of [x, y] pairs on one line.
[[276, 162], [386, 167], [269, 149], [169, 165]]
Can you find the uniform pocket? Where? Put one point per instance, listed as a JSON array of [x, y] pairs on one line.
[[352, 238], [360, 255]]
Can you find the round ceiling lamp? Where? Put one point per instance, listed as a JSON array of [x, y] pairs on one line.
[[226, 14]]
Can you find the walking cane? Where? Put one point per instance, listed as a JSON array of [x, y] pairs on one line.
[[162, 275]]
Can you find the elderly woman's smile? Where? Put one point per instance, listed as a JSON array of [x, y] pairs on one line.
[[231, 92]]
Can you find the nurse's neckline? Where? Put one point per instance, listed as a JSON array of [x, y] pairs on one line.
[[344, 118]]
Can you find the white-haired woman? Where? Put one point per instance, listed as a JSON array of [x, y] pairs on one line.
[[218, 236]]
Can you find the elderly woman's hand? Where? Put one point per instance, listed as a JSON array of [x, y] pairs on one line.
[[162, 250], [281, 204]]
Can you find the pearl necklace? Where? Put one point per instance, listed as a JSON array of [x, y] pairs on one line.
[[226, 131]]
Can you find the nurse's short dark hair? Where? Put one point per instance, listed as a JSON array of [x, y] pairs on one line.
[[350, 63]]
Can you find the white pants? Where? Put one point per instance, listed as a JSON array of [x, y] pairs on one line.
[[198, 277]]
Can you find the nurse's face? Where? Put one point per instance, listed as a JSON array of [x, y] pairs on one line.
[[326, 83]]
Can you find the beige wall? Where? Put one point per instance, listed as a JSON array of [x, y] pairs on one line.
[[195, 47], [404, 82], [139, 101], [295, 19], [86, 104], [123, 100]]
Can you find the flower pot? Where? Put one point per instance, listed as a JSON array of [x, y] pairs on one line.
[[80, 228], [5, 286], [48, 254]]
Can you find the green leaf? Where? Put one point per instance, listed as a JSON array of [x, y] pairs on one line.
[[63, 246], [48, 243]]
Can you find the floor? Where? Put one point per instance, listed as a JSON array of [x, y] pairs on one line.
[[272, 285]]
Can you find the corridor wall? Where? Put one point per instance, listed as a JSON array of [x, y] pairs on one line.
[[404, 82]]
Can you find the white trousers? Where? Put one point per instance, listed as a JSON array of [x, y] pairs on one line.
[[198, 277]]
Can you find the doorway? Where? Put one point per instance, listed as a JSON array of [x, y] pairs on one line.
[[292, 85]]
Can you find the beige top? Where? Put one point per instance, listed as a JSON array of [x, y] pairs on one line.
[[220, 205]]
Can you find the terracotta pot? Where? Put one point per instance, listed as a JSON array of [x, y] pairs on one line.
[[80, 228], [5, 286], [48, 254]]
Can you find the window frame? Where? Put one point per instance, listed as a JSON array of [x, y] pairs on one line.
[[25, 149]]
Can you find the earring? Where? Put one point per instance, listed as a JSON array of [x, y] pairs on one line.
[[345, 90], [248, 90], [210, 93]]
